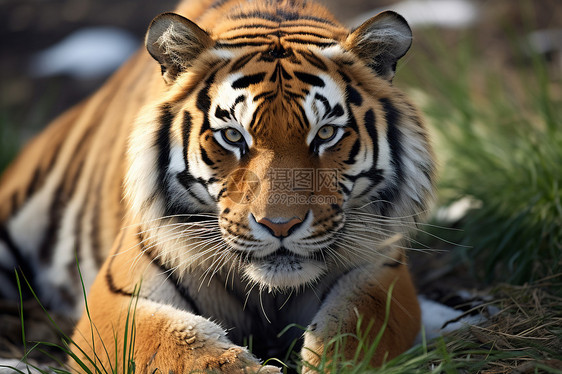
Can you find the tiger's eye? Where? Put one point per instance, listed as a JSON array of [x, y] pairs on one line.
[[326, 132], [232, 135]]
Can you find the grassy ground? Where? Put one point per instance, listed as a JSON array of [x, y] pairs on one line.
[[499, 140]]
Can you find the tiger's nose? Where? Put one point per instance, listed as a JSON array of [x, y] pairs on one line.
[[281, 229]]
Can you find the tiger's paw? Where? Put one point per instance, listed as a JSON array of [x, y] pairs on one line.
[[234, 360], [171, 341]]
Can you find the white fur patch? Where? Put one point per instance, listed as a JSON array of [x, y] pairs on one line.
[[8, 261], [285, 273], [142, 176], [33, 214]]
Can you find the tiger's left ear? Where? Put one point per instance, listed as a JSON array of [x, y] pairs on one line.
[[381, 42], [174, 41]]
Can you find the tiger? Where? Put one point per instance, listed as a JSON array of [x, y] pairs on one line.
[[247, 171]]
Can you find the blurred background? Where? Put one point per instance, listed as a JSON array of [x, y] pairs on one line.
[[55, 52], [487, 74]]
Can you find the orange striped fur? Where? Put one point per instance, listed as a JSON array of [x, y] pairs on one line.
[[255, 168]]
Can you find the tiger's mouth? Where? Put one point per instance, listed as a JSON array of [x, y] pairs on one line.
[[280, 255], [283, 268]]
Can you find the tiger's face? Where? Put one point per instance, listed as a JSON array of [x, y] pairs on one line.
[[281, 161]]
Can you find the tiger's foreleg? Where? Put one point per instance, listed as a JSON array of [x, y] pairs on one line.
[[362, 295], [124, 328]]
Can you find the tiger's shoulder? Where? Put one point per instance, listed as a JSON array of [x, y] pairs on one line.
[[257, 155]]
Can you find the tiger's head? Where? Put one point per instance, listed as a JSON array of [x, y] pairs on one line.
[[280, 148]]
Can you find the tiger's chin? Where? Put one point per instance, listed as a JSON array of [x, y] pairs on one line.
[[284, 272]]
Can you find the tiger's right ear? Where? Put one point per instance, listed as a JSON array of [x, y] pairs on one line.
[[381, 42], [174, 41]]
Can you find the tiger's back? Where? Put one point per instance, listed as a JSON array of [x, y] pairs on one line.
[[262, 87], [62, 198]]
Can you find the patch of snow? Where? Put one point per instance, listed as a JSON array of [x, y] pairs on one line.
[[86, 53], [437, 318], [457, 210], [546, 41], [442, 13]]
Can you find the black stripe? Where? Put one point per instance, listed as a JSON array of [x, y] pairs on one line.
[[111, 284], [62, 195], [210, 66], [393, 136], [325, 102], [344, 76], [344, 189], [276, 74], [307, 33], [396, 262], [277, 26], [370, 126], [97, 220], [329, 289], [336, 112], [162, 145], [374, 174], [254, 120], [238, 100], [304, 41], [94, 231], [186, 129], [313, 80], [278, 33], [34, 183], [284, 73], [218, 3], [314, 60], [305, 123], [353, 152], [205, 157], [222, 114], [170, 276], [289, 95], [39, 174], [351, 122], [282, 16], [187, 181], [353, 96], [21, 263], [108, 276], [241, 62], [12, 285], [219, 45], [221, 192], [14, 204], [203, 104], [248, 80], [247, 36], [268, 95]]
